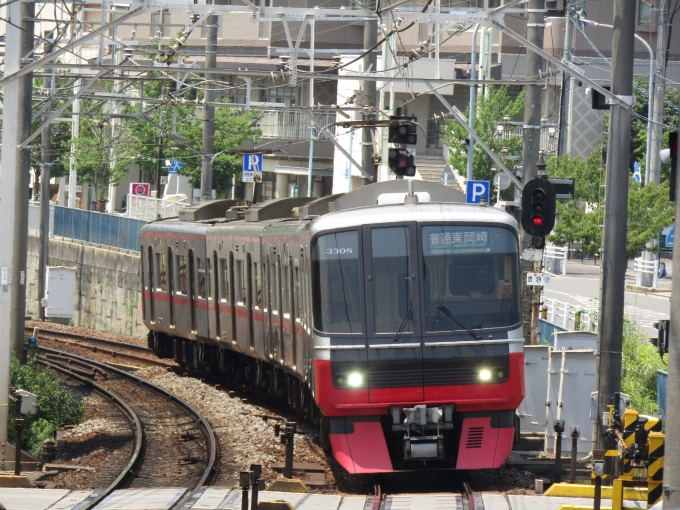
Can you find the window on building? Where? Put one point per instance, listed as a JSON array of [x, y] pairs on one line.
[[644, 13], [282, 95]]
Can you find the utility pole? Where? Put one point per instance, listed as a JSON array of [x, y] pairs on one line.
[[567, 54], [659, 92], [370, 62], [671, 469], [614, 261], [14, 198], [45, 175], [532, 141], [209, 110], [75, 118]]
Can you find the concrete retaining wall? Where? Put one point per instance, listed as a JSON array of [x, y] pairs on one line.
[[108, 292]]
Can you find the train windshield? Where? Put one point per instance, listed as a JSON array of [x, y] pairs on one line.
[[470, 277], [337, 289]]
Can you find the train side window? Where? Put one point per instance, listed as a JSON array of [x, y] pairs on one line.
[[208, 281], [181, 265], [240, 284], [285, 290], [200, 262], [274, 286], [257, 276], [224, 281], [161, 273], [150, 271], [297, 296]]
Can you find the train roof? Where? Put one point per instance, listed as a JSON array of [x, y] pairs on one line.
[[429, 212]]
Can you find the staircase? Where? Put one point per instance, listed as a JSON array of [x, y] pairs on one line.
[[430, 168]]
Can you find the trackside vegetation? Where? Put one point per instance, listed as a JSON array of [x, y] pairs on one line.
[[57, 407]]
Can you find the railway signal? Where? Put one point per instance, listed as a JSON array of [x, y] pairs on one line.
[[402, 162], [402, 130], [538, 209]]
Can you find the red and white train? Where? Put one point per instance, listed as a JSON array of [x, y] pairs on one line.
[[390, 315]]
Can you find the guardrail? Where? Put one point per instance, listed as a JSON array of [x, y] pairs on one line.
[[643, 267], [571, 317], [150, 209], [553, 254]]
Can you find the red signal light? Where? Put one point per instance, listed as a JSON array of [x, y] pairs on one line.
[[537, 221]]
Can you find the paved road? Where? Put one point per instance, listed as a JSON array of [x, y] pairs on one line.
[[581, 286]]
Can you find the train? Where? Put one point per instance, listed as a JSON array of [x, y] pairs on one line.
[[389, 316]]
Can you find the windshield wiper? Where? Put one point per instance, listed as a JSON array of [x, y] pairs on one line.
[[403, 324], [450, 316]]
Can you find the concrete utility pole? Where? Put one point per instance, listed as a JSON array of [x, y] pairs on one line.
[[370, 62], [659, 92], [14, 198], [567, 54], [75, 118], [610, 339], [671, 469], [45, 173], [532, 140], [208, 109]]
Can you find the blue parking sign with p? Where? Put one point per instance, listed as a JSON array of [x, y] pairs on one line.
[[476, 190]]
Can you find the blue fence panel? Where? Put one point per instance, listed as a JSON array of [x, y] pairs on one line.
[[546, 331], [98, 228], [661, 379]]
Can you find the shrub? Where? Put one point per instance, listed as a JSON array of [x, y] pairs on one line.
[[640, 363], [56, 406]]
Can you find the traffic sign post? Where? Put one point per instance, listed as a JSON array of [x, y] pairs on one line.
[[476, 190]]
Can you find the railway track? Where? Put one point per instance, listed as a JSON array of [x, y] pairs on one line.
[[174, 446], [113, 348]]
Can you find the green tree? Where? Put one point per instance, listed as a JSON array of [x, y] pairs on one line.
[[649, 210], [489, 111]]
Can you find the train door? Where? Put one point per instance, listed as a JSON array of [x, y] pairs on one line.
[[192, 292], [286, 312], [395, 347], [148, 291], [160, 280], [201, 301], [171, 290], [275, 283], [267, 306], [258, 308], [249, 299], [216, 297]]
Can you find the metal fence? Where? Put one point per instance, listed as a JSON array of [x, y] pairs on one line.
[[34, 218], [571, 317], [97, 228], [293, 125], [149, 208], [547, 330], [549, 134]]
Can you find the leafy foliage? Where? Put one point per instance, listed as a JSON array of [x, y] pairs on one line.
[[56, 406], [649, 210], [489, 111], [640, 363]]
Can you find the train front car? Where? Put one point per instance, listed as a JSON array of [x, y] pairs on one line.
[[417, 335]]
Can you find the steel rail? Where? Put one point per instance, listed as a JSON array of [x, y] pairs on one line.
[[96, 339], [209, 434], [135, 459]]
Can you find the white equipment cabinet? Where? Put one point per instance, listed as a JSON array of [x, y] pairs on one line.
[[60, 292]]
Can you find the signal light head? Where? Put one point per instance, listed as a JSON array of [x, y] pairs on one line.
[[537, 221]]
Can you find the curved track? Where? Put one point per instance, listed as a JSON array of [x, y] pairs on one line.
[[174, 445]]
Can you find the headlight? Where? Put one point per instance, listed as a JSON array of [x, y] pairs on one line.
[[355, 379], [485, 375]]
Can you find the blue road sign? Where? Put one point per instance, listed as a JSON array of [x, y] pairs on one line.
[[637, 177], [175, 166], [476, 190], [670, 237], [252, 163]]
